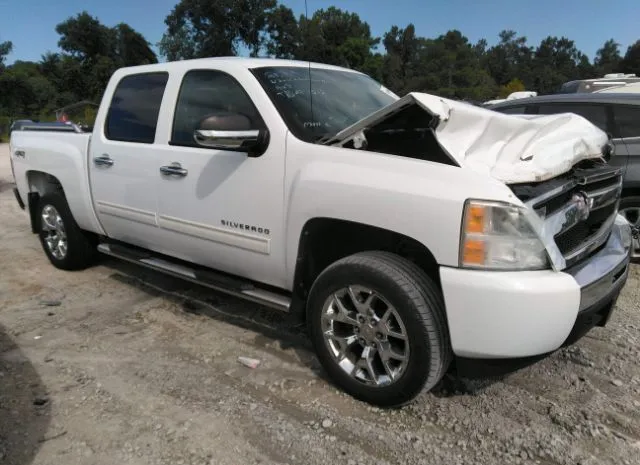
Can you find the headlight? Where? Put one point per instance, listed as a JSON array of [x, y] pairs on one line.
[[498, 236], [626, 236]]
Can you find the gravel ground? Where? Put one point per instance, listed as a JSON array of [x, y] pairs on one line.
[[116, 364]]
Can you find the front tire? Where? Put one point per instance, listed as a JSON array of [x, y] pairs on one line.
[[67, 246], [378, 326]]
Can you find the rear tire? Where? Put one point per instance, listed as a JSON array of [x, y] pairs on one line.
[[67, 246], [630, 209], [346, 312]]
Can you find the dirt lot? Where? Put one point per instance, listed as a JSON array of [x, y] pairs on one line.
[[119, 365]]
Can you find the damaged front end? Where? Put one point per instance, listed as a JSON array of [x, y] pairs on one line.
[[573, 213], [555, 164], [509, 148]]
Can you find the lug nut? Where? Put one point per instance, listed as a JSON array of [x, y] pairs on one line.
[[356, 330], [379, 336], [373, 322]]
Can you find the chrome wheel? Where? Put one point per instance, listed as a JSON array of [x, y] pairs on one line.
[[632, 214], [365, 336], [54, 234]]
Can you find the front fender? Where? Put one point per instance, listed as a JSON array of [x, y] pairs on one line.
[[419, 199]]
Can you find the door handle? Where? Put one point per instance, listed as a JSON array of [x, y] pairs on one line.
[[174, 169], [103, 160]]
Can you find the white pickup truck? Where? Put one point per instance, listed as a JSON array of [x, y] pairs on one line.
[[414, 235]]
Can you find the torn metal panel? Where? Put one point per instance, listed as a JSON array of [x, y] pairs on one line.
[[510, 148]]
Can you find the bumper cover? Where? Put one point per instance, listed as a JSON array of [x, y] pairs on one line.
[[527, 314]]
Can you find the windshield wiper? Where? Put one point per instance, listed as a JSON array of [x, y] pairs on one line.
[[324, 139]]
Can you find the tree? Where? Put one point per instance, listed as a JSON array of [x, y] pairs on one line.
[[85, 38], [5, 49], [515, 85], [608, 58], [202, 28], [283, 32], [631, 61], [555, 62], [402, 47], [336, 37], [510, 58], [131, 48], [93, 51]]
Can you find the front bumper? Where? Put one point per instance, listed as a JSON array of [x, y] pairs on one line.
[[506, 315]]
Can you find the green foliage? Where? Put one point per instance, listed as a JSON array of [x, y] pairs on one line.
[[608, 58], [514, 85], [91, 52], [5, 49], [205, 28], [631, 61], [447, 65]]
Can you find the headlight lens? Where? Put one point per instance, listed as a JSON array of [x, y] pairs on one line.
[[498, 236], [625, 231]]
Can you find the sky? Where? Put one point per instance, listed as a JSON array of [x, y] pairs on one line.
[[30, 24]]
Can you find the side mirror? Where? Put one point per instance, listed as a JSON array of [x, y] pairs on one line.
[[231, 131]]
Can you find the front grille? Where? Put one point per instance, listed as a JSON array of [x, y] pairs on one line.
[[574, 237], [578, 208]]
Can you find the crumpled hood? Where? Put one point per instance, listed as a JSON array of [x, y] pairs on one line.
[[510, 148]]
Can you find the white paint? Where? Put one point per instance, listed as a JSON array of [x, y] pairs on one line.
[[127, 213], [508, 314], [219, 235], [490, 314], [510, 148]]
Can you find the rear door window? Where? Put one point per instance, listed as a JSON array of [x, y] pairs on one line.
[[627, 119], [134, 109], [596, 114]]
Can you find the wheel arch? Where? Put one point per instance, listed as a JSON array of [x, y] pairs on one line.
[[40, 184], [324, 240]]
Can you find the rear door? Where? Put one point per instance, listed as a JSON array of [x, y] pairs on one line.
[[627, 128], [123, 161]]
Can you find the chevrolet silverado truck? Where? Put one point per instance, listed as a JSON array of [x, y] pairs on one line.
[[412, 235]]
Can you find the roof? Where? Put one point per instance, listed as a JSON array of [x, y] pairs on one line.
[[243, 62], [573, 98]]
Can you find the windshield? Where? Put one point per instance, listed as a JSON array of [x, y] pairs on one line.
[[340, 98]]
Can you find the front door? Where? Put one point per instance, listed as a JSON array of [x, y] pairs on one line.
[[220, 208], [122, 160]]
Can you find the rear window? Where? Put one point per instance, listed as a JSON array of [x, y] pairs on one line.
[[134, 109], [627, 119], [596, 114]]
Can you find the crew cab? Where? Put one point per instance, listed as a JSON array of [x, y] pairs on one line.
[[413, 235]]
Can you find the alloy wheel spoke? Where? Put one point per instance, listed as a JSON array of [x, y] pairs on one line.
[[55, 235], [365, 335], [341, 314], [344, 342], [363, 308], [48, 222], [366, 363]]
